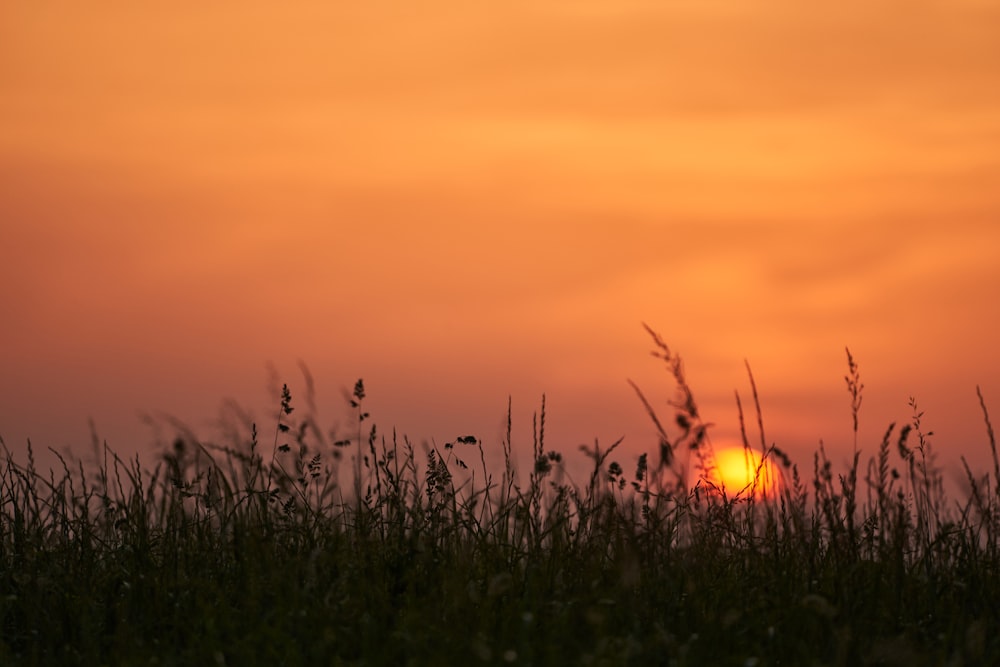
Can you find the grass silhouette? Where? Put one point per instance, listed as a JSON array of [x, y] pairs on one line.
[[367, 550]]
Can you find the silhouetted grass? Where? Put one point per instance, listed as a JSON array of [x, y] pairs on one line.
[[368, 550]]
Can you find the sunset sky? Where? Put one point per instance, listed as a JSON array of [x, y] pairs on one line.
[[461, 200]]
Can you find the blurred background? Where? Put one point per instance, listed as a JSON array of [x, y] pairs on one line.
[[462, 202]]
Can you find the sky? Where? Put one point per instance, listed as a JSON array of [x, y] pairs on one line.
[[464, 201]]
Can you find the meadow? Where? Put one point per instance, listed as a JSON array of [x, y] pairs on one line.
[[303, 547]]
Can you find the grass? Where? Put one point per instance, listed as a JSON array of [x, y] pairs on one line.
[[367, 550]]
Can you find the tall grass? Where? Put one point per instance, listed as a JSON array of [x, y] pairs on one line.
[[313, 548]]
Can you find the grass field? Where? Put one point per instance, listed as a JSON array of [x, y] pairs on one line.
[[297, 548]]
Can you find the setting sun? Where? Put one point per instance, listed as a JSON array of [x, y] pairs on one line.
[[736, 469]]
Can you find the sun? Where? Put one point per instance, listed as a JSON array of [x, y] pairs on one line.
[[737, 469]]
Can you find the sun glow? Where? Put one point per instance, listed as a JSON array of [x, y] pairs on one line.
[[737, 470]]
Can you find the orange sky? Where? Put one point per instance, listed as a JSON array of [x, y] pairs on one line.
[[463, 200]]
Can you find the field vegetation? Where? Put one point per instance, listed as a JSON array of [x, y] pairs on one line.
[[306, 548]]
